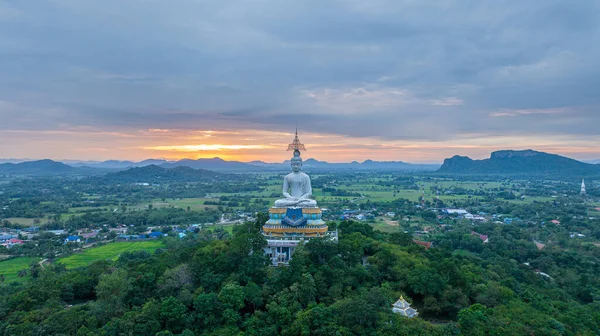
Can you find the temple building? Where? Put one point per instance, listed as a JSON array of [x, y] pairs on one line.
[[582, 192], [295, 218], [403, 308]]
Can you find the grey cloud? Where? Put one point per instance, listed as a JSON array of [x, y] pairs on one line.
[[206, 64]]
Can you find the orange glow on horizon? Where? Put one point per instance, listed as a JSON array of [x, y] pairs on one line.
[[205, 147], [249, 145]]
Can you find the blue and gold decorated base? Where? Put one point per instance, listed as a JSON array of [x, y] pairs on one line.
[[295, 221], [312, 215]]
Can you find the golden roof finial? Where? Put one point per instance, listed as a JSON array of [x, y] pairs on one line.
[[296, 145]]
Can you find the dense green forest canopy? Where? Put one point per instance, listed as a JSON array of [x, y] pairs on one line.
[[209, 285]]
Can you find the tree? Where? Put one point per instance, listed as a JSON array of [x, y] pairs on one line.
[[232, 296], [400, 238], [305, 291], [253, 294], [472, 320], [112, 289], [208, 310], [173, 314]]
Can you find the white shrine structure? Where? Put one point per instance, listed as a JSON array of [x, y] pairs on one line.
[[403, 308]]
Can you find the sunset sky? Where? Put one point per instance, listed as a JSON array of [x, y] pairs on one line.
[[408, 80]]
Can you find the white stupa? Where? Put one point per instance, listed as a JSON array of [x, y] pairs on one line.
[[582, 192]]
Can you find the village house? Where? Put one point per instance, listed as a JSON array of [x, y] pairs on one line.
[[72, 239], [484, 238], [12, 242], [156, 234], [6, 237], [427, 245]]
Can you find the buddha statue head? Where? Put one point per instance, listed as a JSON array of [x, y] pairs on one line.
[[296, 162]]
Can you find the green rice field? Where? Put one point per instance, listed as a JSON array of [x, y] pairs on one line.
[[109, 251], [11, 267]]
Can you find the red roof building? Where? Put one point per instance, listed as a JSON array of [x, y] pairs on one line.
[[484, 238], [427, 245], [12, 242]]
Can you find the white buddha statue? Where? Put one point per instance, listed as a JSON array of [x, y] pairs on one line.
[[296, 187]]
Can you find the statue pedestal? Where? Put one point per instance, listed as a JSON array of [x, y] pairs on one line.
[[287, 227], [303, 222], [312, 215]]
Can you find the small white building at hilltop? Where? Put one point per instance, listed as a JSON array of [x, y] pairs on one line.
[[403, 308]]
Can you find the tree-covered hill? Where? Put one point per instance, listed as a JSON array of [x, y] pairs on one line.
[[41, 167], [216, 164], [155, 174], [214, 285], [525, 162]]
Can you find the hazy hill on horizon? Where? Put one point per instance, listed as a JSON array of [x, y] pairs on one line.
[[218, 164], [156, 174], [524, 162], [527, 162], [41, 167]]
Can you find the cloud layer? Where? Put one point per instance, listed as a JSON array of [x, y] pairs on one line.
[[449, 75]]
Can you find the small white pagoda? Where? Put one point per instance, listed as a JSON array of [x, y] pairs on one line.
[[403, 308]]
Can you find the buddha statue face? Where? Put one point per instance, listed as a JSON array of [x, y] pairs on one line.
[[296, 164]]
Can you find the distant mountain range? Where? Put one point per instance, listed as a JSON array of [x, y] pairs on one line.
[[313, 164], [524, 162], [49, 167], [115, 164], [218, 164]]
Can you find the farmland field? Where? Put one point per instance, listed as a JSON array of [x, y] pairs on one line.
[[26, 221], [109, 251], [11, 267], [385, 227], [196, 203]]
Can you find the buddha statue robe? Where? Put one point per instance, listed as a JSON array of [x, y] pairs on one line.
[[297, 191]]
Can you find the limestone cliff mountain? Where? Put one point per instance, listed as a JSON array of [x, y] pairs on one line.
[[525, 162]]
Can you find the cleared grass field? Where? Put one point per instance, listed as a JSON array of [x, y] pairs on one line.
[[196, 204], [26, 221], [109, 251], [227, 227], [382, 226], [10, 268]]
